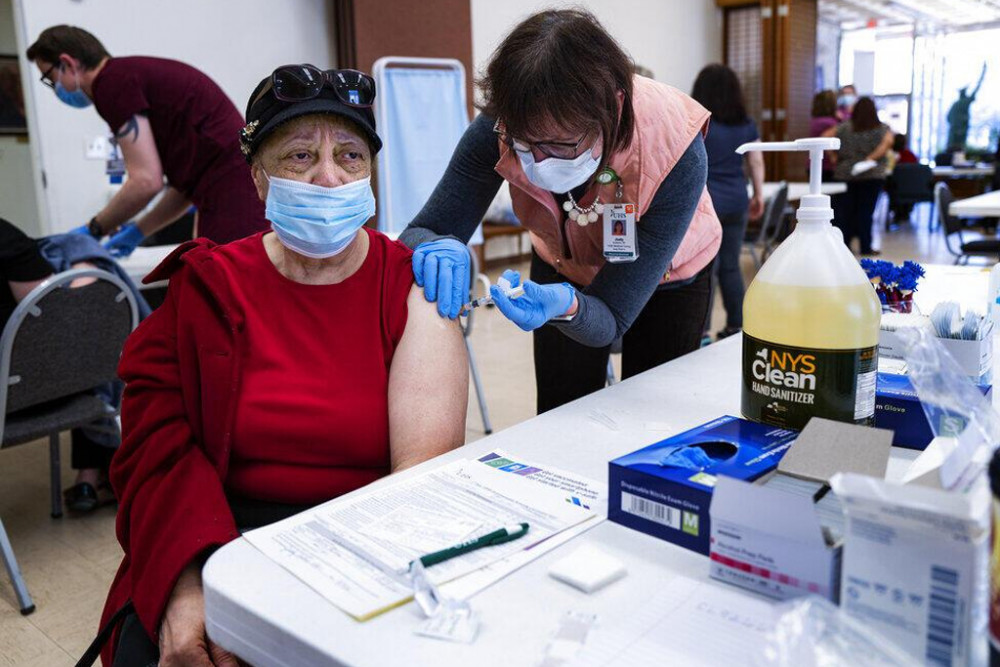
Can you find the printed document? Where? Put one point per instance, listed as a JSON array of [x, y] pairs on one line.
[[355, 551]]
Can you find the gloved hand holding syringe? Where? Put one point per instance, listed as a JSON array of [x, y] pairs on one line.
[[512, 291]]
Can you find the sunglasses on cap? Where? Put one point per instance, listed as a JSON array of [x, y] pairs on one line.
[[297, 83]]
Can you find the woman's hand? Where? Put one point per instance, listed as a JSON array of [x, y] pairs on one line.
[[183, 642], [756, 207]]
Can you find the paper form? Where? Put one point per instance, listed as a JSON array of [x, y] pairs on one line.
[[576, 489], [688, 622], [349, 552]]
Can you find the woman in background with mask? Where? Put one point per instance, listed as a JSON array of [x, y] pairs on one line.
[[583, 144], [283, 370]]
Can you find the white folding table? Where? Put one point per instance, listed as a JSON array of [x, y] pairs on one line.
[[981, 205], [268, 617]]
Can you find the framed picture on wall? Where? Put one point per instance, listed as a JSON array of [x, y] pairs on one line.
[[12, 118]]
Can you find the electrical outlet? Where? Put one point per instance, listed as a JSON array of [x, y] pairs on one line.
[[97, 148]]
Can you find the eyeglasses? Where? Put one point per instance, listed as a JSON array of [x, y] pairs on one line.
[[46, 79], [296, 83], [558, 149]]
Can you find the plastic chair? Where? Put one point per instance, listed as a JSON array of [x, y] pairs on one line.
[[760, 242], [952, 226], [421, 113], [59, 344]]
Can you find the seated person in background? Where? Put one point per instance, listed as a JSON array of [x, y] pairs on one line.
[[902, 150], [283, 370], [22, 268]]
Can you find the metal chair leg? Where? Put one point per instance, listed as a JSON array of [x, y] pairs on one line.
[[611, 373], [483, 410], [20, 588], [55, 475]]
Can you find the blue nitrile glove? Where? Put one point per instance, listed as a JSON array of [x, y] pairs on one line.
[[538, 305], [124, 241], [82, 229], [692, 458], [441, 267]]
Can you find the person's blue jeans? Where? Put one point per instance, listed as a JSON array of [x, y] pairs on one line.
[[727, 267]]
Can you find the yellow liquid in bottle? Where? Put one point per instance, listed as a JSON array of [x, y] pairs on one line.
[[832, 318]]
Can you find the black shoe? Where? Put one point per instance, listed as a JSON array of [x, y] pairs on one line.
[[84, 497], [81, 498], [727, 332]]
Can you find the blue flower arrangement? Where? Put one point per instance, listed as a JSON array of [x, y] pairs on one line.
[[894, 285]]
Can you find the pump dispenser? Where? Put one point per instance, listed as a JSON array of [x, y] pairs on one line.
[[810, 318]]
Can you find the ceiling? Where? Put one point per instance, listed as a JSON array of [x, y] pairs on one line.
[[924, 15]]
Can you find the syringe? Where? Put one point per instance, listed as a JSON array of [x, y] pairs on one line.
[[512, 293]]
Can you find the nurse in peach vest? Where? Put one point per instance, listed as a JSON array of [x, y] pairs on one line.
[[607, 172]]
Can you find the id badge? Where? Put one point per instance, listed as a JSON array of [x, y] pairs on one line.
[[620, 243]]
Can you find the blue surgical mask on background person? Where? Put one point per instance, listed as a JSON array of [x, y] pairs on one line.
[[560, 174], [846, 101], [75, 98], [315, 220]]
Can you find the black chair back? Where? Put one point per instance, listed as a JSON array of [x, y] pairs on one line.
[[774, 213], [943, 199], [66, 340], [912, 184]]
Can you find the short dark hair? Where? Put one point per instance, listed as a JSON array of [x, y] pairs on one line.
[[864, 116], [717, 88], [899, 143], [563, 66], [73, 41], [824, 104]]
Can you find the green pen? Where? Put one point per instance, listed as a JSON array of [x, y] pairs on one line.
[[501, 536]]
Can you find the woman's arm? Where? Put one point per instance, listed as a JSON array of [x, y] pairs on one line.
[[882, 147], [462, 197], [172, 507], [619, 292], [428, 386]]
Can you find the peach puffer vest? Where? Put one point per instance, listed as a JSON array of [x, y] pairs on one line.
[[666, 122]]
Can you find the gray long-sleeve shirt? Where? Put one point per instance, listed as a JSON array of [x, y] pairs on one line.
[[619, 291]]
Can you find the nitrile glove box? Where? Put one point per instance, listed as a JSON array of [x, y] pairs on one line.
[[653, 490], [898, 409]]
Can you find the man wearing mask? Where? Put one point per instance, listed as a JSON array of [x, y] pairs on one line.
[[170, 120]]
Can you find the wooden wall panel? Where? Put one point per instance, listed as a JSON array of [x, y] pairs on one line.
[[372, 29], [799, 25]]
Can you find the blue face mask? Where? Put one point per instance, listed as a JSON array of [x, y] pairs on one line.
[[317, 221], [76, 98]]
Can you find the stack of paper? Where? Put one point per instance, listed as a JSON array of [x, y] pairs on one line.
[[355, 551]]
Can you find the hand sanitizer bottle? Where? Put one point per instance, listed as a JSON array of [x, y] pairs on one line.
[[810, 318]]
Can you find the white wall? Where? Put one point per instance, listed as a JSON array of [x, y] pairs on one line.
[[235, 42], [17, 187], [673, 38]]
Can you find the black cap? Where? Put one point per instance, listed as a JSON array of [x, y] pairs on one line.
[[268, 113]]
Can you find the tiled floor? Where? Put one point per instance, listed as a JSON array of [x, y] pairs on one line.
[[69, 563]]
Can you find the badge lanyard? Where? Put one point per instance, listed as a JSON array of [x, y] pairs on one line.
[[620, 242]]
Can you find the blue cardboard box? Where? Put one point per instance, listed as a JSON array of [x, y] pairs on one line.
[[898, 409], [665, 489]]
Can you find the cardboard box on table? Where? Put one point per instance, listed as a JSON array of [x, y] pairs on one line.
[[974, 357], [772, 542], [915, 563]]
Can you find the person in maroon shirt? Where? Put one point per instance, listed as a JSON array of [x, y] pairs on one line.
[[169, 120], [283, 370]]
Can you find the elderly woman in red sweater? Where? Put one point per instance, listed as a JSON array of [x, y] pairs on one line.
[[283, 370]]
